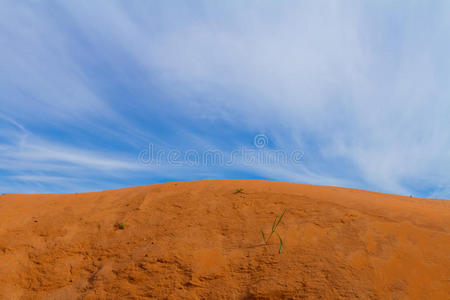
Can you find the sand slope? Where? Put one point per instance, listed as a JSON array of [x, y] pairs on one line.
[[199, 240]]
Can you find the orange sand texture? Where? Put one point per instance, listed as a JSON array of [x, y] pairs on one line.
[[199, 240]]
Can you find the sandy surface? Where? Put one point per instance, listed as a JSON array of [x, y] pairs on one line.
[[199, 240]]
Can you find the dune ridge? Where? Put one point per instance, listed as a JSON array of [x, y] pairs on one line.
[[200, 240]]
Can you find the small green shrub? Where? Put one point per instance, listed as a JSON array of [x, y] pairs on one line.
[[274, 228], [121, 226], [238, 191]]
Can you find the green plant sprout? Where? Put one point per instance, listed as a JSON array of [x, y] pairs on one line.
[[238, 191], [274, 228], [122, 226]]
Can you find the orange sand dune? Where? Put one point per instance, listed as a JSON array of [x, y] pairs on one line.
[[199, 240]]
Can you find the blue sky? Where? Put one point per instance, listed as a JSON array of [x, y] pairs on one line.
[[360, 88]]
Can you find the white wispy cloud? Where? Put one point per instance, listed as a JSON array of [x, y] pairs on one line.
[[369, 85], [361, 88]]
